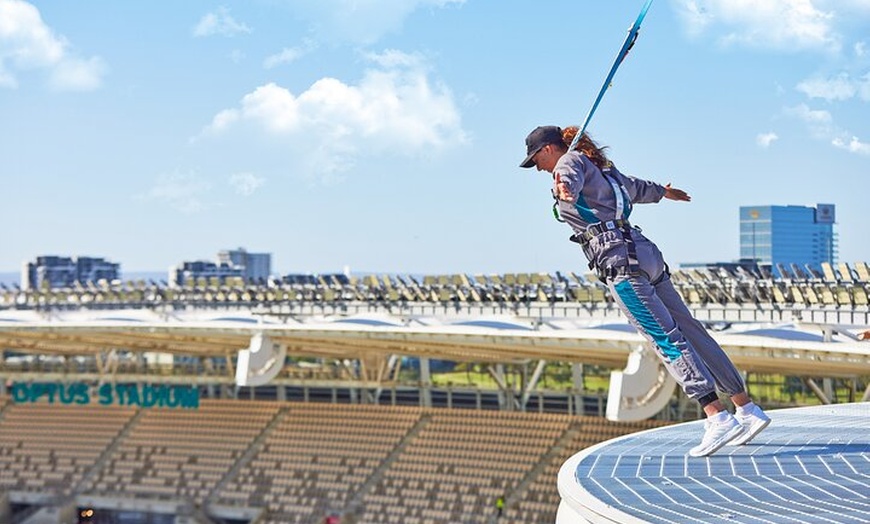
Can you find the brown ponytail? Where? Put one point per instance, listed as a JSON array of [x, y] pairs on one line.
[[586, 146]]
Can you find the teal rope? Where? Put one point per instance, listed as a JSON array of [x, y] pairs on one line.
[[626, 47]]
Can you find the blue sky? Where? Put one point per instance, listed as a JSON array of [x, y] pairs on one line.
[[385, 135]]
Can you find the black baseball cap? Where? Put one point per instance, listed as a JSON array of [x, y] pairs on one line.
[[537, 139]]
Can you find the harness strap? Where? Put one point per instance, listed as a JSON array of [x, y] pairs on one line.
[[593, 230], [618, 195], [633, 263], [623, 208], [624, 227]]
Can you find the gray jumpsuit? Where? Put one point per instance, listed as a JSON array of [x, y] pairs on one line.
[[637, 276]]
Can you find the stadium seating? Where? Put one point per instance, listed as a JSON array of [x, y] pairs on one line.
[[833, 286], [539, 501], [49, 448], [458, 464], [182, 453], [316, 458], [298, 462]]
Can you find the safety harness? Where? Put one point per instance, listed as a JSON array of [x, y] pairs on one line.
[[622, 225]]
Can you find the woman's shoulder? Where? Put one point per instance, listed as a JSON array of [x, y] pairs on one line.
[[575, 157], [576, 160]]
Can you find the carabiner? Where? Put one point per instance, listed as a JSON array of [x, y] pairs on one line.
[[556, 214]]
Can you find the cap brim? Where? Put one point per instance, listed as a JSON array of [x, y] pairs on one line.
[[528, 162]]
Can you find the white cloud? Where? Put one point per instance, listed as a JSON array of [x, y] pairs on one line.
[[778, 24], [395, 107], [219, 23], [358, 21], [818, 121], [271, 106], [223, 121], [840, 87], [288, 55], [182, 191], [393, 58], [78, 75], [245, 183], [26, 38], [821, 126], [765, 139], [26, 43], [695, 18], [853, 145], [810, 116]]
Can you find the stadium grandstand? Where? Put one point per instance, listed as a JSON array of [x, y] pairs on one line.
[[322, 399]]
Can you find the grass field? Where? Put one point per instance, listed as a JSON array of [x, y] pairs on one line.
[[777, 390]]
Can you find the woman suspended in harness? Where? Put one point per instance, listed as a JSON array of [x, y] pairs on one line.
[[595, 200]]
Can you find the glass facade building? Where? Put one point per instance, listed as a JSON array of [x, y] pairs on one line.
[[787, 235], [238, 263], [255, 266], [57, 272], [190, 272]]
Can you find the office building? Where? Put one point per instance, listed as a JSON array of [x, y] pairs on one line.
[[191, 272], [57, 272], [788, 235], [255, 266], [238, 263]]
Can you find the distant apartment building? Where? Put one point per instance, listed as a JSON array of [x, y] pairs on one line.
[[57, 272], [799, 235], [191, 272], [256, 266], [230, 264]]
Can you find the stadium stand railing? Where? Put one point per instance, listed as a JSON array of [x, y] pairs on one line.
[[835, 286]]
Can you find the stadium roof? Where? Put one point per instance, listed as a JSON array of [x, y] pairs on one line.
[[469, 339]]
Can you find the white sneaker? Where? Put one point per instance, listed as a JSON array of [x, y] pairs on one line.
[[753, 422], [717, 434]]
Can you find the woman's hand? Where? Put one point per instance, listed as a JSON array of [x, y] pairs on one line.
[[672, 193], [561, 190]]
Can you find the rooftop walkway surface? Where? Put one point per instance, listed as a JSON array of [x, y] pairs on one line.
[[811, 465]]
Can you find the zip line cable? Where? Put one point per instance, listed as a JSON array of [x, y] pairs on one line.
[[633, 32], [626, 47]]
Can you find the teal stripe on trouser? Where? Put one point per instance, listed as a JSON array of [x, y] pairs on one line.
[[639, 301], [645, 318], [659, 314], [726, 376]]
